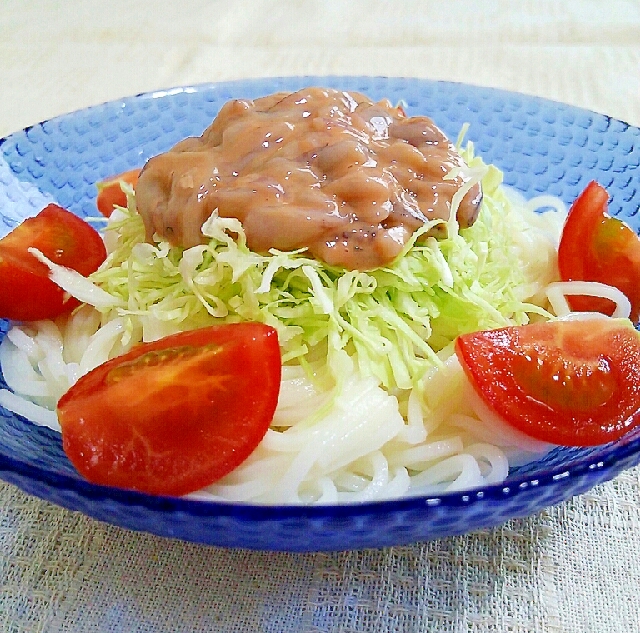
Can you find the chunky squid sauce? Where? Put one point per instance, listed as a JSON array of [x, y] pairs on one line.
[[330, 171]]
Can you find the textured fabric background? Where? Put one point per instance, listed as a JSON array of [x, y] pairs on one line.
[[574, 568]]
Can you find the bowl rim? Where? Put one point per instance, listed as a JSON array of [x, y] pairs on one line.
[[606, 458]]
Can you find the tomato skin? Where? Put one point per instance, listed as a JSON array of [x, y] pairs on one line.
[[175, 415], [26, 291], [573, 383], [596, 247], [110, 194]]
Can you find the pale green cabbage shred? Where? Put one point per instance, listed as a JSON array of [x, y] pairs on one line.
[[392, 321]]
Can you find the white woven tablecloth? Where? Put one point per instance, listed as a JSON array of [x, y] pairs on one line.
[[573, 568]]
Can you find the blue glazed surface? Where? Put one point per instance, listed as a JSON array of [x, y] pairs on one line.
[[543, 147]]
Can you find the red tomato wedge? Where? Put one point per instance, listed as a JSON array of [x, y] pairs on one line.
[[110, 194], [175, 415], [596, 247], [26, 291], [574, 383]]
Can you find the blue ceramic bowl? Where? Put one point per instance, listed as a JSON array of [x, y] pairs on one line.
[[542, 147]]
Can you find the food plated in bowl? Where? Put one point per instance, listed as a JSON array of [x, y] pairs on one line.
[[451, 106]]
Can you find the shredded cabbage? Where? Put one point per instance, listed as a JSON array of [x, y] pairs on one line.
[[392, 321]]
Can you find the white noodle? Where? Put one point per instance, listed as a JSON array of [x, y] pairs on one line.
[[558, 291], [417, 457], [360, 449], [496, 460], [459, 472], [37, 414]]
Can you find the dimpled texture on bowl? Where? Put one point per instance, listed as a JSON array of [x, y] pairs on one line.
[[542, 147]]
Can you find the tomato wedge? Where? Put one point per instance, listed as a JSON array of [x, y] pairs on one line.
[[110, 194], [574, 383], [26, 291], [597, 247], [175, 415]]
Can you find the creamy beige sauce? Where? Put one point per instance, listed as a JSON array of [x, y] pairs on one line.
[[331, 171]]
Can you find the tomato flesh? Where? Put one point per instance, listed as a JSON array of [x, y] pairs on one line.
[[597, 247], [175, 415], [574, 383], [26, 291], [110, 194]]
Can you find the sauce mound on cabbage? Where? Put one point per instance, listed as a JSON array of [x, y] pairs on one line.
[[328, 170]]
